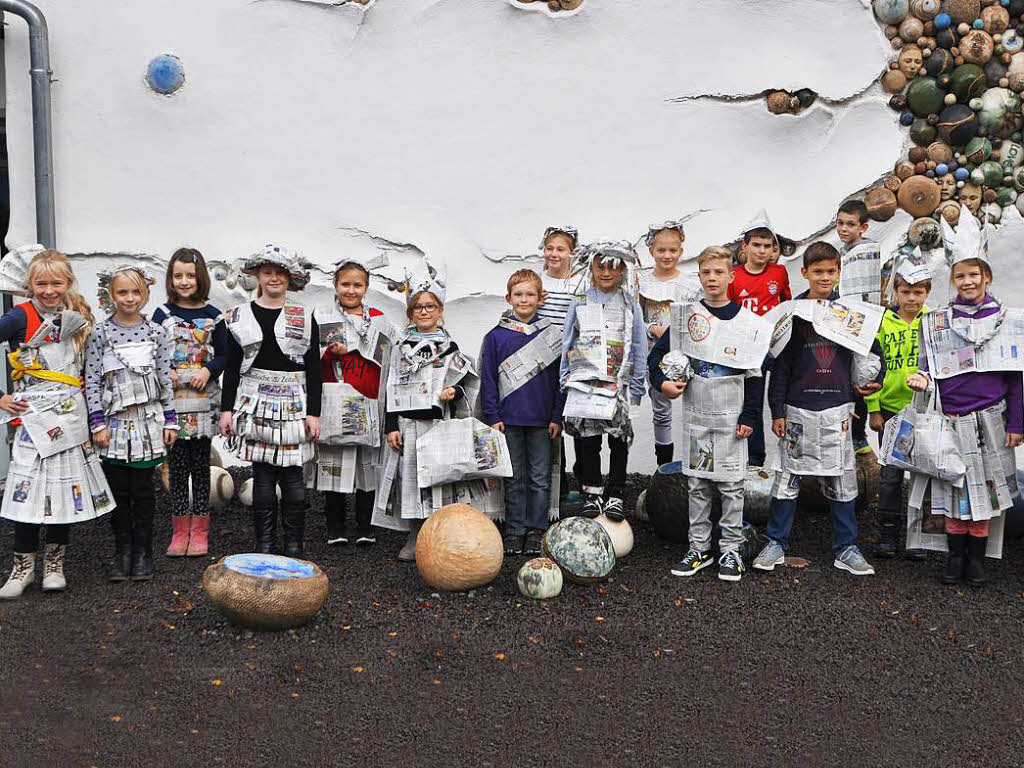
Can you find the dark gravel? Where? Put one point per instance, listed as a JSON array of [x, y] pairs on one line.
[[802, 667]]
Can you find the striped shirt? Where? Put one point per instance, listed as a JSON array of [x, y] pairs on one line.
[[561, 291]]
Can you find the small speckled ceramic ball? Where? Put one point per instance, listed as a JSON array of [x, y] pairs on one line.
[[458, 548], [540, 579]]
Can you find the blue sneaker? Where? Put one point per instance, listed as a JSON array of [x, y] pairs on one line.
[[773, 554], [850, 559]]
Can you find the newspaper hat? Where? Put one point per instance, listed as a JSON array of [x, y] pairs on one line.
[[105, 277], [618, 252], [968, 241], [570, 232], [787, 246], [910, 266], [426, 277], [290, 261], [369, 263], [14, 269], [654, 229]]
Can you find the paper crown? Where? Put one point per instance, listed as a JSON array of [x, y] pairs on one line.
[[910, 266], [369, 263], [569, 232], [105, 277], [426, 277], [288, 260], [787, 246], [608, 250], [654, 229], [968, 241], [14, 269]]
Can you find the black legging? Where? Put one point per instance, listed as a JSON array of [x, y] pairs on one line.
[[334, 506], [266, 478], [26, 536], [588, 464], [190, 457], [135, 497]]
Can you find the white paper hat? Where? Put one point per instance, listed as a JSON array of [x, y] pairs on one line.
[[968, 241], [369, 263], [570, 232], [912, 267], [654, 229], [14, 269], [787, 246], [427, 277], [289, 260]]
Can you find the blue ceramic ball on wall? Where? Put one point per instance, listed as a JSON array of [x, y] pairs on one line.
[[165, 74]]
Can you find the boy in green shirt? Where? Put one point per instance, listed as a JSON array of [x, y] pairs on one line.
[[897, 336]]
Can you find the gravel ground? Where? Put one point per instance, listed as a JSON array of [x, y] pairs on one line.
[[800, 667]]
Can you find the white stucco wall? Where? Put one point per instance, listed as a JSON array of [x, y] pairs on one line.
[[458, 129]]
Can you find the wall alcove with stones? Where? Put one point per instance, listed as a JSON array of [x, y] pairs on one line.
[[461, 130]]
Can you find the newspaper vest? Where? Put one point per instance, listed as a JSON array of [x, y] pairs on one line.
[[602, 347], [711, 407], [544, 348], [192, 349], [129, 372], [292, 329]]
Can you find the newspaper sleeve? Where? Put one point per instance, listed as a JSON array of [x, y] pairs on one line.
[[861, 274], [741, 343], [849, 323]]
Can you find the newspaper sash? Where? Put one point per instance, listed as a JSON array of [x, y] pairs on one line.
[[741, 342], [817, 442], [292, 329], [849, 323], [532, 358], [711, 407], [956, 345], [861, 275]]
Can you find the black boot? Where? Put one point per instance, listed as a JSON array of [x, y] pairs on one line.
[[142, 563], [953, 573], [663, 452], [120, 521], [364, 517], [264, 523], [334, 508], [887, 539], [142, 543], [293, 520], [975, 571]]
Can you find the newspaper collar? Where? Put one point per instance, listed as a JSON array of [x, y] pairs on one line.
[[568, 231], [279, 255], [968, 241], [511, 322], [417, 352]]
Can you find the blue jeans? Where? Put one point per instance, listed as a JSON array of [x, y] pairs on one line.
[[844, 522], [528, 491]]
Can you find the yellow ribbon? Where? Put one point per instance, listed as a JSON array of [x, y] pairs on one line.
[[36, 370]]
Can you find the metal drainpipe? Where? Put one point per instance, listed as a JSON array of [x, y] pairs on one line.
[[42, 121]]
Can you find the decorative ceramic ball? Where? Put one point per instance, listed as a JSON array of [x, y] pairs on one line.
[[640, 509], [977, 47], [978, 150], [957, 125], [940, 152], [1000, 111], [925, 232], [582, 548], [995, 19], [245, 493], [911, 29], [266, 591], [222, 487], [924, 96], [667, 501], [962, 11], [926, 10], [993, 212], [919, 196], [540, 579], [891, 11], [621, 533], [881, 203], [942, 21], [894, 81], [458, 548], [215, 459], [967, 81]]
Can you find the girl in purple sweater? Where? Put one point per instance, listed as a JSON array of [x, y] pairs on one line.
[[986, 407]]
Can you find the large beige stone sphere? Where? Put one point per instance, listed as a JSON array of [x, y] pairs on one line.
[[458, 548]]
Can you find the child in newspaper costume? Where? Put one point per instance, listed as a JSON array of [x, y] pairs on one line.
[[270, 403], [131, 413], [602, 370], [429, 379], [981, 391], [813, 380], [55, 477], [717, 351], [355, 348], [658, 289]]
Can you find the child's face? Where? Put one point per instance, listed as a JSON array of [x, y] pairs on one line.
[[821, 277], [273, 280], [666, 249], [183, 278], [970, 281], [128, 298], [49, 289], [849, 227], [426, 312], [715, 276], [524, 299], [350, 286], [607, 278], [557, 255], [758, 251], [910, 298]]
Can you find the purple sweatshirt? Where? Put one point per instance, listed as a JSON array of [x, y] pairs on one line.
[[535, 404], [969, 392]]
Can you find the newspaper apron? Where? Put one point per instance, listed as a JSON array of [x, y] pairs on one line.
[[419, 371], [544, 349], [55, 474], [131, 401], [359, 420], [817, 443], [600, 361], [710, 409], [192, 349]]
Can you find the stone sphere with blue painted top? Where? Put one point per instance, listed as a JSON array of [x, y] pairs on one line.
[[582, 548], [266, 591], [540, 579], [165, 74]]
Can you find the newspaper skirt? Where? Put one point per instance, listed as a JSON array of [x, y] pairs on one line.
[[198, 412], [818, 443], [65, 487], [136, 433], [710, 409], [620, 425], [269, 419], [400, 499], [344, 468]]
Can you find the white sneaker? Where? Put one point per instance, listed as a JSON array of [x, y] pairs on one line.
[[850, 559], [53, 568], [22, 575]]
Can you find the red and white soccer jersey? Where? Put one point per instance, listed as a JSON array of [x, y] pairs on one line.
[[760, 293]]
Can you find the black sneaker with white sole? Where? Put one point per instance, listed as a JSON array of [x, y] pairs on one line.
[[613, 509], [532, 542], [591, 506], [730, 566], [365, 540], [692, 562], [514, 543]]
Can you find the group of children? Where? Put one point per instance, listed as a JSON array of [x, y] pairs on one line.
[[337, 399]]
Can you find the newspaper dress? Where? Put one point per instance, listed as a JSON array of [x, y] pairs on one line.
[[192, 348], [990, 480], [351, 444], [55, 474], [131, 395], [658, 296], [600, 362], [269, 418], [419, 370]]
